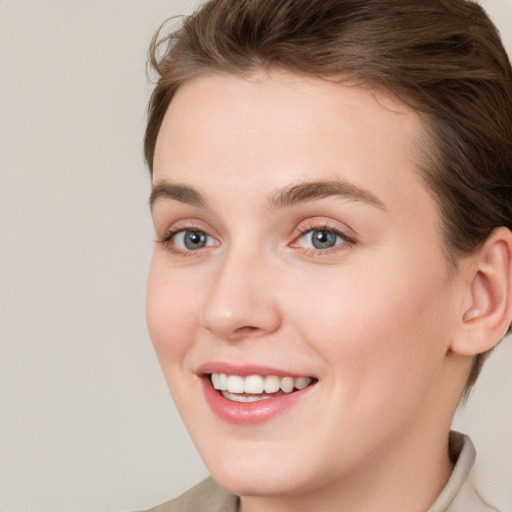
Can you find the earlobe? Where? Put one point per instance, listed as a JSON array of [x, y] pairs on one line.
[[488, 317]]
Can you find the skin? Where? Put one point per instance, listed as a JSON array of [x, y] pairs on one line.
[[372, 318]]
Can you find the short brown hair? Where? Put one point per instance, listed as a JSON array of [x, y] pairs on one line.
[[442, 58]]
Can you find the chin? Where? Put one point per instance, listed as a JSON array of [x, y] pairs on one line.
[[268, 474], [257, 483]]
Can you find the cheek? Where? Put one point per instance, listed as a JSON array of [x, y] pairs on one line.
[[171, 313], [375, 324], [381, 338]]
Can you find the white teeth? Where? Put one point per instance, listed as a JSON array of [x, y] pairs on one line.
[[244, 398], [254, 384], [287, 384], [236, 384], [223, 381], [271, 384], [257, 384], [302, 382]]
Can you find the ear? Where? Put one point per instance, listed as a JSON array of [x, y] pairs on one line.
[[487, 310]]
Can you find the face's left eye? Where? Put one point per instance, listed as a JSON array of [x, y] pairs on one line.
[[191, 240], [320, 239]]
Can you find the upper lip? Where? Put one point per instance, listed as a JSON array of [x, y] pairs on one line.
[[245, 369]]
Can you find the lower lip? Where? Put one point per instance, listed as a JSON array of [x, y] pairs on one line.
[[249, 413]]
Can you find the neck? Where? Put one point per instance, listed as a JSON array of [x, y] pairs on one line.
[[406, 476]]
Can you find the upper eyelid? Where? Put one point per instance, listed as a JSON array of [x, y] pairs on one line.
[[190, 225], [347, 239], [172, 232], [321, 227], [318, 224]]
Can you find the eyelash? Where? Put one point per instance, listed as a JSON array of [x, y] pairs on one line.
[[170, 234], [348, 242]]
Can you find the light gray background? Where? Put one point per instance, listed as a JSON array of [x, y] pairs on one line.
[[86, 421]]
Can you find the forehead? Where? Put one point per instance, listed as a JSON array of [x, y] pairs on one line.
[[287, 105], [269, 130]]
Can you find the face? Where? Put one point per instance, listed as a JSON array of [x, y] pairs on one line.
[[298, 266]]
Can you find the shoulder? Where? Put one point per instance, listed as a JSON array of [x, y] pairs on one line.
[[206, 496]]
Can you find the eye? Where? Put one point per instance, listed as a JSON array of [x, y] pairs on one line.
[[321, 239], [189, 240]]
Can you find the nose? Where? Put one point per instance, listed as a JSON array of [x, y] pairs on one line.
[[241, 302]]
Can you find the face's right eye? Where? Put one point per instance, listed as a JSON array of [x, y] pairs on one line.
[[190, 240]]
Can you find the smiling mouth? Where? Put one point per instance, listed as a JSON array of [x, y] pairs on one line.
[[254, 388]]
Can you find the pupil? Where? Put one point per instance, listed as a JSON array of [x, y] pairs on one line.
[[195, 240], [323, 239]]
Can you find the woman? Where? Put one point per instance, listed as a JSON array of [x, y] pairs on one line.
[[332, 207]]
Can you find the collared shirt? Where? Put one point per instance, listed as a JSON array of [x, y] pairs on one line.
[[459, 494]]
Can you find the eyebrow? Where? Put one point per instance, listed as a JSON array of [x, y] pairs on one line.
[[291, 195], [310, 190], [181, 193]]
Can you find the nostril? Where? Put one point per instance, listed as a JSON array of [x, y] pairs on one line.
[[248, 329], [232, 315]]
